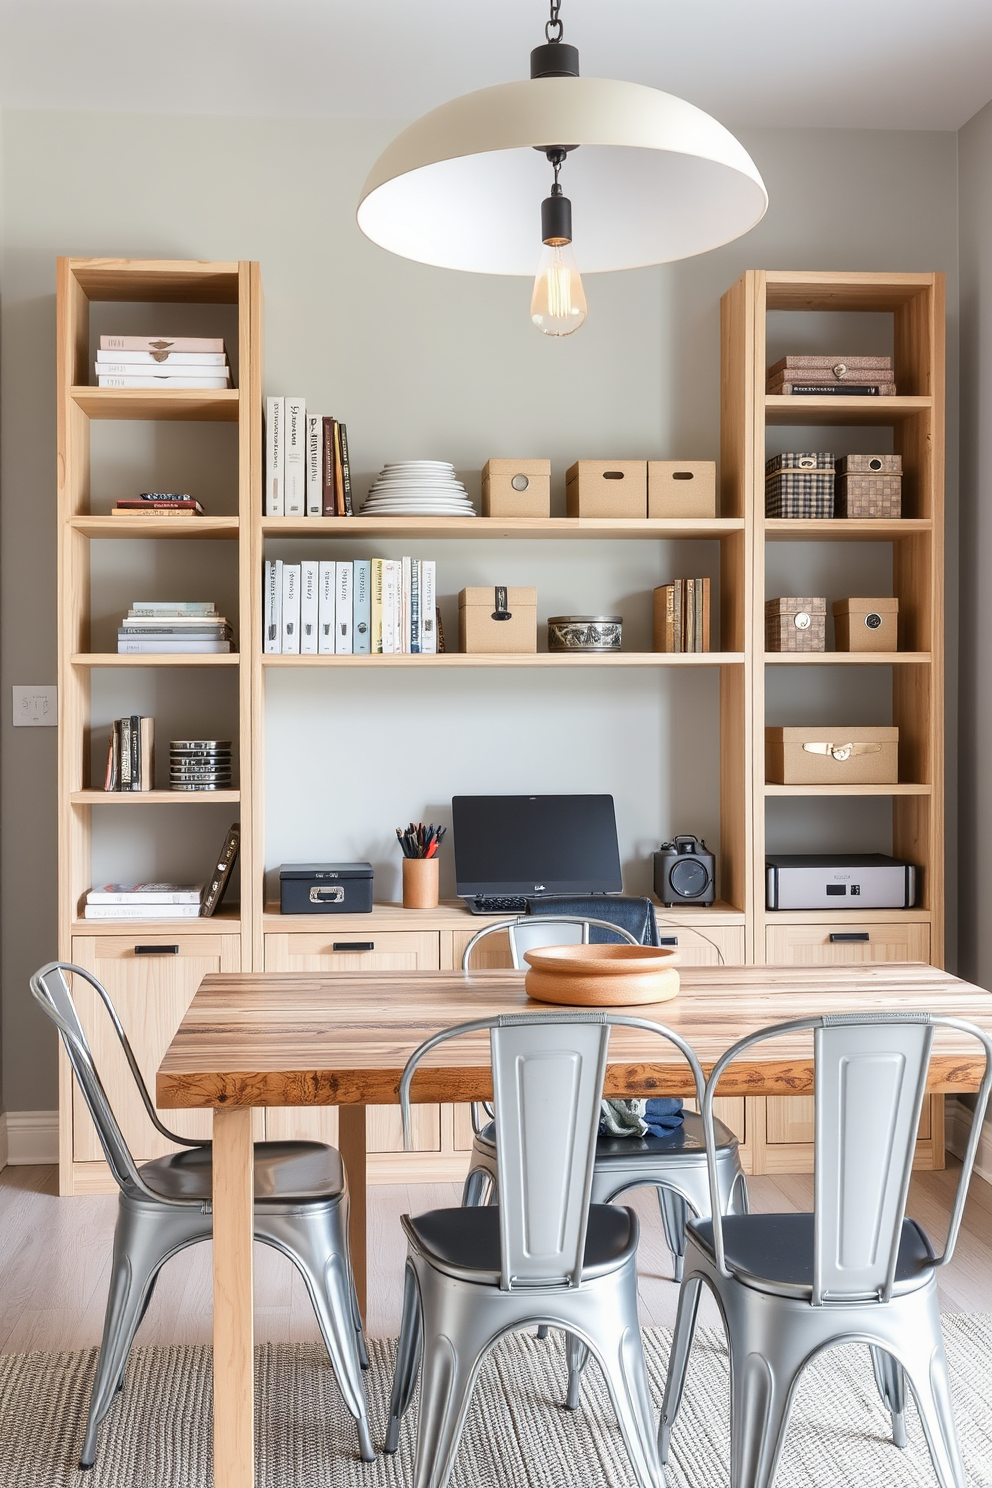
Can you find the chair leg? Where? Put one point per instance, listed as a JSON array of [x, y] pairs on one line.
[[614, 1337], [448, 1372], [674, 1217], [890, 1377], [761, 1387], [678, 1359], [356, 1317], [740, 1202], [408, 1353], [926, 1370], [577, 1354], [477, 1185]]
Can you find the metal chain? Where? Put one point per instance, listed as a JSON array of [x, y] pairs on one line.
[[555, 24]]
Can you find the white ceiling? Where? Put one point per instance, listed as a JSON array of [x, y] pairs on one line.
[[904, 64]]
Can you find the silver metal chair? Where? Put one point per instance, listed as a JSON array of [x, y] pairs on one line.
[[301, 1208], [544, 1255], [674, 1164], [855, 1270]]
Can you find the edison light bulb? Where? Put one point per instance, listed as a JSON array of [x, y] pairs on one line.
[[558, 304]]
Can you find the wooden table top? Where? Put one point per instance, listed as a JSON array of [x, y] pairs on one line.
[[266, 1039]]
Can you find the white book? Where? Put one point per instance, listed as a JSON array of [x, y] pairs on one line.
[[141, 911], [164, 384], [164, 371], [163, 343], [326, 597], [406, 605], [390, 597], [295, 502], [170, 646], [163, 359], [272, 638], [309, 589], [416, 584], [315, 465], [343, 611], [146, 893], [291, 609], [362, 614], [173, 607], [428, 608], [275, 417]]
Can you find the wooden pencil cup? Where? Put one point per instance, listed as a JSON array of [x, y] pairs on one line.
[[420, 883]]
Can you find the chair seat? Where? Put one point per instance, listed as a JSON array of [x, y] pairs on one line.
[[465, 1242], [285, 1173], [684, 1140], [774, 1252]]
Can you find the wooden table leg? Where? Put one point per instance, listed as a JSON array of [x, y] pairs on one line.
[[234, 1402], [351, 1144]]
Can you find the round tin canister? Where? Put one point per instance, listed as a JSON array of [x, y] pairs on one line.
[[584, 632]]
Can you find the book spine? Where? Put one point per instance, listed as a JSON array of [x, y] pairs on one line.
[[295, 439], [275, 414], [416, 579], [221, 872], [678, 617], [315, 465], [362, 623], [309, 591], [162, 359], [697, 615], [114, 761], [164, 374], [376, 596], [326, 596], [213, 344], [272, 599], [140, 896], [173, 607], [705, 587], [215, 384], [291, 609], [349, 509], [147, 735], [327, 480], [343, 637], [169, 646], [339, 507], [836, 390], [388, 602], [406, 606], [428, 609], [141, 911], [125, 772], [135, 752]]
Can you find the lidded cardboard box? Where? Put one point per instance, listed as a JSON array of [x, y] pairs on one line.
[[866, 624], [497, 620], [516, 488], [796, 623], [843, 754], [681, 488], [607, 488], [869, 486]]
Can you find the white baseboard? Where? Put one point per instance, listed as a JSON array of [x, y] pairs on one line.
[[957, 1120], [32, 1137], [3, 1140]]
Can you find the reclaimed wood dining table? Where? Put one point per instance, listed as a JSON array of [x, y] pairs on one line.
[[258, 1039]]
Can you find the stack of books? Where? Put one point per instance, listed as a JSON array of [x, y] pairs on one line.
[[144, 901], [131, 755], [162, 362], [372, 607], [167, 503], [682, 616], [307, 472], [170, 626], [814, 376]]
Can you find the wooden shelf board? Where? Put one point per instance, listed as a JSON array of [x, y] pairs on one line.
[[844, 529], [199, 404], [225, 922], [514, 659], [153, 798], [186, 527], [503, 527], [847, 658], [451, 914], [113, 659], [793, 289], [847, 790], [843, 917], [147, 280], [782, 408]]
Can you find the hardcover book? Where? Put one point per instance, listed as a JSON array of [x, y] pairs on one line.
[[327, 595], [328, 508], [220, 875], [343, 611], [163, 344], [275, 414], [309, 590], [295, 469], [362, 613], [315, 465], [291, 609]]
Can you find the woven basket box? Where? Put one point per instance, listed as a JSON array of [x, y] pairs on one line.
[[681, 488], [607, 488], [866, 624], [796, 624], [868, 496], [494, 621], [516, 488], [800, 483], [869, 465], [844, 755]]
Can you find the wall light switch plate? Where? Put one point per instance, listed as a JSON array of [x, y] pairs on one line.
[[36, 707]]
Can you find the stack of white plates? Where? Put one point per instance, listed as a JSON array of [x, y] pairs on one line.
[[418, 488]]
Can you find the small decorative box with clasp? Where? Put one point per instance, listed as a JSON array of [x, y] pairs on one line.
[[497, 620]]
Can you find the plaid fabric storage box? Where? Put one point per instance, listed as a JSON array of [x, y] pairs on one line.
[[800, 484], [796, 624]]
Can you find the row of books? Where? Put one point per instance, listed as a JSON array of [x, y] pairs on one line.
[[177, 627], [682, 616], [809, 376], [167, 901], [131, 755], [162, 362], [307, 472], [373, 606], [158, 503]]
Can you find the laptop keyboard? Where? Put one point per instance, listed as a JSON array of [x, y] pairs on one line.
[[498, 904]]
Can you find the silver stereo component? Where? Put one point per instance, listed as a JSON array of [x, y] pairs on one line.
[[839, 881]]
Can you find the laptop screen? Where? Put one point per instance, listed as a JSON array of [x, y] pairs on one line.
[[535, 845]]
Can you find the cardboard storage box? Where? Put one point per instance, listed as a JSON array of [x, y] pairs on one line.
[[607, 488], [681, 488], [516, 488], [497, 620], [800, 484], [866, 624], [796, 623], [848, 754]]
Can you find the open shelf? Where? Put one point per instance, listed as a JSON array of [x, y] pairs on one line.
[[488, 528], [151, 526], [519, 659], [225, 921], [114, 659], [450, 914], [844, 529], [848, 790], [831, 409], [182, 281], [847, 658], [201, 404], [153, 798]]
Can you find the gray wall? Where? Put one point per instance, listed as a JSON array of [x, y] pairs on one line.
[[419, 362]]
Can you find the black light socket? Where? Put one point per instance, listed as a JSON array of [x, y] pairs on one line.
[[554, 59], [556, 219]]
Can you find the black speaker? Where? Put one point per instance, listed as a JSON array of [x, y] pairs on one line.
[[684, 872]]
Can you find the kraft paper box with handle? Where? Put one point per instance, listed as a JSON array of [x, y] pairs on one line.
[[833, 754], [497, 620]]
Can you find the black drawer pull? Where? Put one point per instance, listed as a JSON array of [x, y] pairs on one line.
[[668, 940], [353, 945], [844, 935], [156, 950]]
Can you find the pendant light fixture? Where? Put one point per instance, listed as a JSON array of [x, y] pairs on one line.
[[654, 178]]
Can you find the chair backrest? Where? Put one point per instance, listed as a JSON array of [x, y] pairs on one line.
[[530, 932], [548, 1071], [50, 989], [870, 1073]]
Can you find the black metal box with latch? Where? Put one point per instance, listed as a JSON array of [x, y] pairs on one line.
[[325, 888]]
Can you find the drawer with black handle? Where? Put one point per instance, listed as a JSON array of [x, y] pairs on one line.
[[838, 943]]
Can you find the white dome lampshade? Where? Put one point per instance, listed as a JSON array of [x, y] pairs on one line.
[[656, 179]]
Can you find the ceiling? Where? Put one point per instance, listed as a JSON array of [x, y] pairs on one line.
[[902, 64]]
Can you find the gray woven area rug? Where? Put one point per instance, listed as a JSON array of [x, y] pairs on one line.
[[158, 1432]]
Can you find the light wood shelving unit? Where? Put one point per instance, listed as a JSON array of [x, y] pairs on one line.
[[152, 991]]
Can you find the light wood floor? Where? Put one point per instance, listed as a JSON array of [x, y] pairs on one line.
[[55, 1262]]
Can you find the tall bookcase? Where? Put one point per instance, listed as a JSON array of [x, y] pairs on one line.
[[152, 990]]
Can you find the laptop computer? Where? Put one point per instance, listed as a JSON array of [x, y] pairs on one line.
[[509, 849]]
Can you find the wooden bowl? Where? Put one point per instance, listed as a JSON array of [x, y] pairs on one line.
[[602, 975]]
